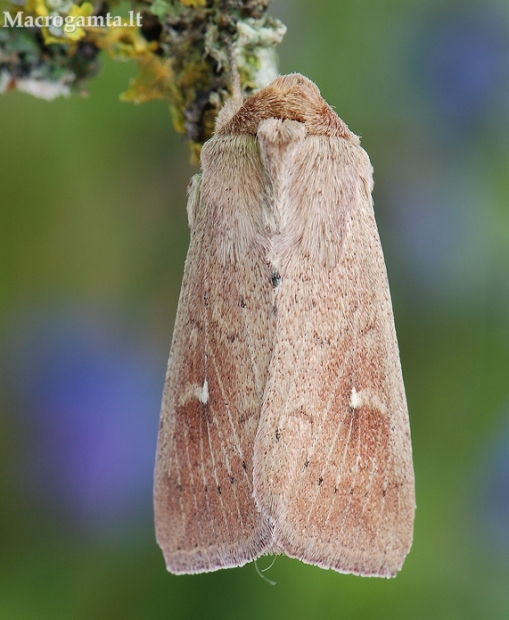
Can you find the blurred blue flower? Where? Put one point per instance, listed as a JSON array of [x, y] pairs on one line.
[[440, 222], [494, 495], [91, 396], [463, 59]]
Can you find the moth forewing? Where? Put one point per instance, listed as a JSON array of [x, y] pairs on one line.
[[333, 464], [205, 513]]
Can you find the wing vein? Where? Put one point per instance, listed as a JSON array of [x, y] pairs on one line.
[[214, 472], [236, 440]]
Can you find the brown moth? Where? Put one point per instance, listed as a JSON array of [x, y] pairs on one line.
[[284, 424]]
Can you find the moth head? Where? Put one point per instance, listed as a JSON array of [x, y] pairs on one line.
[[292, 97]]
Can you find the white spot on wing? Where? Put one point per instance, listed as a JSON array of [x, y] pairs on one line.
[[355, 399], [195, 392], [367, 398], [204, 396]]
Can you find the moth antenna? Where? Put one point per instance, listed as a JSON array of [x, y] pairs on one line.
[[233, 104], [234, 76], [260, 572], [264, 570]]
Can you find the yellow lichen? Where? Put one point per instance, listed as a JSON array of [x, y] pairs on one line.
[[194, 3]]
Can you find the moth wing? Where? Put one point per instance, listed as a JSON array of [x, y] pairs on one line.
[[333, 462], [206, 517]]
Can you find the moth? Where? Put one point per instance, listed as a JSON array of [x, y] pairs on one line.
[[284, 424]]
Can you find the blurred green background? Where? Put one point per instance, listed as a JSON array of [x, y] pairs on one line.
[[93, 236]]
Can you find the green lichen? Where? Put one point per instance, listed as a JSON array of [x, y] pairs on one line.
[[201, 41], [183, 48], [29, 65]]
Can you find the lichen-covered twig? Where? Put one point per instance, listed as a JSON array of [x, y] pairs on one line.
[[183, 48]]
